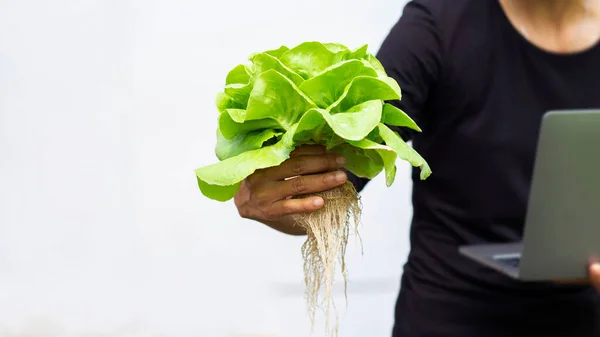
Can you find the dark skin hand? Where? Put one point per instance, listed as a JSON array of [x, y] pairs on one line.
[[595, 275], [593, 278], [266, 195]]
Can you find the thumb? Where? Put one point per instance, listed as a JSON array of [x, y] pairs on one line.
[[595, 274]]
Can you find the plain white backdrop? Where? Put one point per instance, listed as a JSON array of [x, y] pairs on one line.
[[106, 109]]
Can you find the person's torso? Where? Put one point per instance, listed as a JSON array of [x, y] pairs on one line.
[[480, 132]]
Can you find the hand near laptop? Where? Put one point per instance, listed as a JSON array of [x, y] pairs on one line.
[[595, 275], [593, 278]]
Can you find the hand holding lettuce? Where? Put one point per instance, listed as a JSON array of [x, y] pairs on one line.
[[314, 93]]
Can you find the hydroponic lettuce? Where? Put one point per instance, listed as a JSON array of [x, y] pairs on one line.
[[313, 93]]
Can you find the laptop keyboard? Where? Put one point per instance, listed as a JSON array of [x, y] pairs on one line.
[[512, 262]]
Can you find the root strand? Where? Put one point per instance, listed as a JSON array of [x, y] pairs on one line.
[[328, 230]]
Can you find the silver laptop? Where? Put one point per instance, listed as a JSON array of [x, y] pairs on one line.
[[562, 226]]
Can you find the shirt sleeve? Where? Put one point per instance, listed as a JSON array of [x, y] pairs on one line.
[[411, 54]]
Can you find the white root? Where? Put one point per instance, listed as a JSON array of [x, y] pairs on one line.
[[328, 230]]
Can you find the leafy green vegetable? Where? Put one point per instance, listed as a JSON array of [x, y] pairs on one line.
[[313, 93], [227, 148], [325, 88]]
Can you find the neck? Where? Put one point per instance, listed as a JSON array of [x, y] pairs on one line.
[[558, 12], [556, 25], [556, 5]]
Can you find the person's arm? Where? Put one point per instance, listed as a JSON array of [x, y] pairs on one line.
[[412, 55]]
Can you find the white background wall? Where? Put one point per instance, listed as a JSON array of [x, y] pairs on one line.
[[106, 108]]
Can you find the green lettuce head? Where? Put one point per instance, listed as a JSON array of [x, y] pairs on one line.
[[314, 93]]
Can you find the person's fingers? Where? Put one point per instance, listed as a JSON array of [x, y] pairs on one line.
[[294, 206], [306, 184], [305, 164], [595, 275], [308, 150]]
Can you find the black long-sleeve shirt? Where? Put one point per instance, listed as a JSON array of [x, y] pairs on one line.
[[479, 89]]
